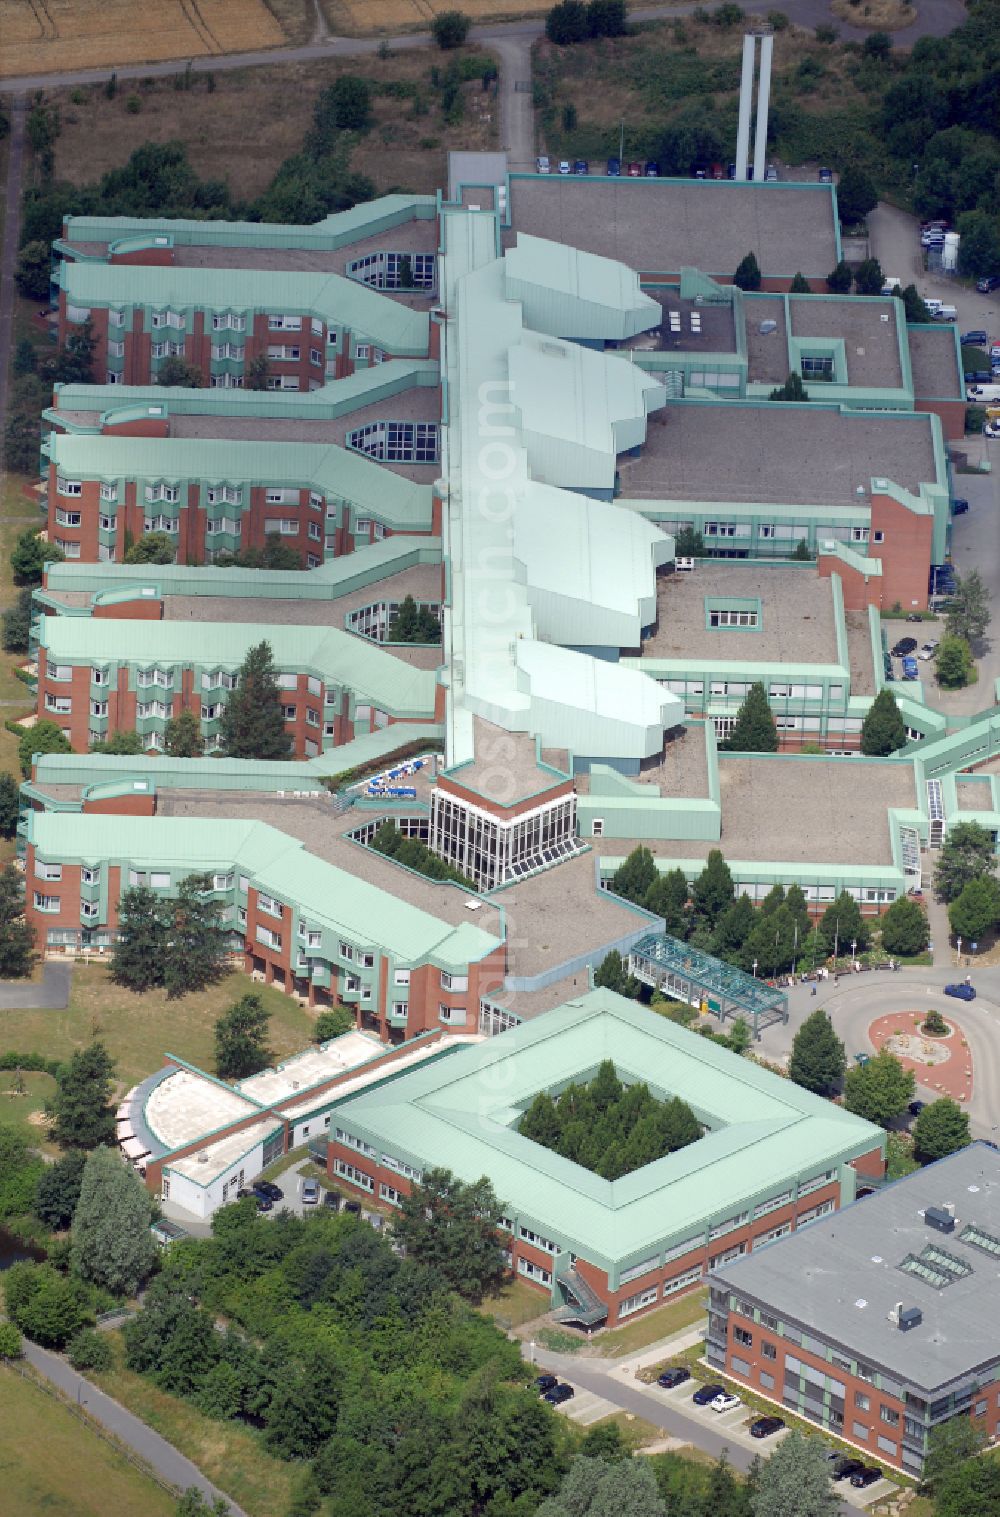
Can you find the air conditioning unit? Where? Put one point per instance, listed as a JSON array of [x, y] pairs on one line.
[[941, 1218]]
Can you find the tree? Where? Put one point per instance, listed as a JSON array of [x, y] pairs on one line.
[[976, 911], [452, 1226], [257, 373], [25, 357], [856, 196], [21, 442], [611, 974], [732, 930], [566, 23], [747, 276], [10, 804], [44, 737], [75, 363], [241, 1039], [90, 1350], [597, 1488], [842, 924], [34, 270], [182, 736], [252, 724], [712, 892], [913, 304], [689, 544], [333, 1024], [905, 928], [59, 1191], [121, 744], [792, 389], [410, 625], [667, 897], [879, 1090], [883, 730], [969, 612], [607, 18], [966, 854], [942, 1128], [979, 249], [795, 1481], [878, 46], [17, 623], [801, 552], [633, 878], [868, 277], [48, 1307], [800, 285], [80, 1111], [970, 1491], [197, 947], [194, 1504], [17, 938], [450, 29], [177, 371], [11, 1346], [817, 1062], [840, 279], [112, 1244], [31, 554], [349, 102], [152, 548], [754, 730], [141, 946], [951, 1446]]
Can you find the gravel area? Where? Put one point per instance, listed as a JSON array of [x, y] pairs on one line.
[[505, 769], [797, 623], [871, 345], [934, 362], [555, 916], [767, 352], [408, 237], [859, 653], [422, 582]]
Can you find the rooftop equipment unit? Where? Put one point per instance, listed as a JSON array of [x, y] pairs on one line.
[[909, 1317], [940, 1217]]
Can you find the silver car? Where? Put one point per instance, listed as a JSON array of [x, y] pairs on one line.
[[928, 650], [310, 1192]]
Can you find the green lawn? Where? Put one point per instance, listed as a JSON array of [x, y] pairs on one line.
[[230, 1455], [515, 1304], [16, 1111], [139, 1030], [52, 1462], [652, 1326]]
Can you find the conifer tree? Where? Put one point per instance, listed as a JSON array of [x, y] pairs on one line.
[[754, 730], [80, 1111], [818, 1061], [17, 938], [712, 892], [883, 730], [252, 724], [140, 953], [197, 950]]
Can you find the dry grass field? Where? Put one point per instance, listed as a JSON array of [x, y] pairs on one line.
[[879, 15], [404, 149], [42, 36], [381, 17]]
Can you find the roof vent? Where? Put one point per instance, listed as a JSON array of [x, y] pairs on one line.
[[895, 1312], [203, 1156], [942, 1218], [767, 327], [909, 1317]]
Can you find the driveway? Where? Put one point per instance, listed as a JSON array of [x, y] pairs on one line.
[[51, 995], [895, 242]]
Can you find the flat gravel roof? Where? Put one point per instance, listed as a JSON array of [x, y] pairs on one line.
[[778, 454], [662, 225], [841, 1276], [871, 345], [934, 362], [797, 624]]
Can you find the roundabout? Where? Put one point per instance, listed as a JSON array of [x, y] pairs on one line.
[[941, 1064]]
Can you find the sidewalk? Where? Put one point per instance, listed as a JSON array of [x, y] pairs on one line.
[[170, 1465]]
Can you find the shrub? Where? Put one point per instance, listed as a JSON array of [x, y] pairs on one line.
[[133, 104], [777, 21], [11, 1346], [934, 1025], [89, 1350], [332, 1024], [450, 29]]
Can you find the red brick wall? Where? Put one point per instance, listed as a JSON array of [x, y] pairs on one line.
[[150, 256], [123, 805], [142, 609], [453, 785], [147, 426], [860, 592], [951, 412], [905, 552], [870, 1164]]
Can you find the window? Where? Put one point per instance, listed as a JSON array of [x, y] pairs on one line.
[[771, 1204], [859, 534], [887, 1446], [353, 1176], [859, 1430], [766, 529], [681, 1282], [159, 879], [890, 1415], [401, 977], [268, 938], [316, 357], [865, 1372], [288, 712], [727, 1226], [740, 1366], [90, 875], [284, 323], [636, 1303], [68, 486], [862, 1402], [740, 1335], [818, 368], [48, 871], [400, 1010], [106, 523], [61, 704], [390, 1194], [269, 904], [537, 1241], [768, 1350], [533, 1272], [346, 951], [878, 537], [46, 902], [67, 518], [361, 351], [733, 619], [766, 1380]]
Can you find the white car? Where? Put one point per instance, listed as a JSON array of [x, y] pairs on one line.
[[564, 167], [992, 429], [543, 165], [928, 650], [725, 1402]]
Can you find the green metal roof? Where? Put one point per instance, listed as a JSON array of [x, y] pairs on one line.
[[333, 231], [764, 1130], [280, 865], [325, 467], [337, 657], [340, 302]]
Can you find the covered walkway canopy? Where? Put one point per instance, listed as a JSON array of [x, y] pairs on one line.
[[687, 974]]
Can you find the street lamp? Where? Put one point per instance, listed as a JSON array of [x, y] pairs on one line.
[[755, 968], [854, 949], [958, 952], [79, 1394]]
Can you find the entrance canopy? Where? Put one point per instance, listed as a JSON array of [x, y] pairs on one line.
[[687, 974]]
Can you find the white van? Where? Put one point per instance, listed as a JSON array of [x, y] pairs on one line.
[[945, 313], [932, 305], [983, 395]]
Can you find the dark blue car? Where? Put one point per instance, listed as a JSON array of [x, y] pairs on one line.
[[614, 168], [910, 669], [707, 1393], [962, 992]]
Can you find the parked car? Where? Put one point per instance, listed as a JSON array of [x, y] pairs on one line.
[[992, 429], [564, 167], [975, 339], [861, 1058], [916, 1107], [331, 1198], [995, 349], [959, 506], [928, 650], [614, 168], [765, 1427], [269, 1189], [546, 1383], [845, 1467], [826, 176], [726, 1402], [581, 167], [770, 174], [978, 376], [675, 1374], [910, 670], [963, 991], [635, 171], [543, 164], [914, 616], [866, 1476], [558, 1394], [652, 169], [354, 1207], [264, 1203], [310, 1193], [987, 283], [706, 1394], [903, 647]]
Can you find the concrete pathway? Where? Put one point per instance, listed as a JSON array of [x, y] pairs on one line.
[[517, 109], [51, 995], [171, 1465]]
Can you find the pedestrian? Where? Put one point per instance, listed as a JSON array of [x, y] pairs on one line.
[[813, 992]]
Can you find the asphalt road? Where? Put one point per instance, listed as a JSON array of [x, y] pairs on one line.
[[51, 995], [171, 1465]]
